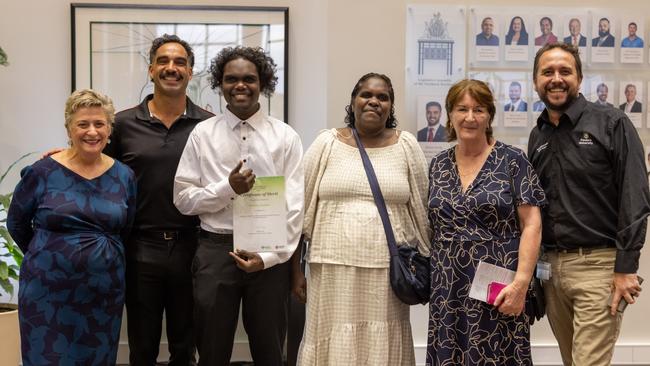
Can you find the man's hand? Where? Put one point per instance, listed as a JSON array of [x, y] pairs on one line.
[[247, 261], [625, 285], [241, 182], [512, 299], [52, 152], [299, 286]]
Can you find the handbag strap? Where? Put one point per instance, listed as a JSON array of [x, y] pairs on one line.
[[376, 193]]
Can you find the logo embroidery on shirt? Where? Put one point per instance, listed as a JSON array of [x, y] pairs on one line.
[[542, 147], [585, 139]]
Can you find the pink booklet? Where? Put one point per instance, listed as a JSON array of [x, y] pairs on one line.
[[494, 288]]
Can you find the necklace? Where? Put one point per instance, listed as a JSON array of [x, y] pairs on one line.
[[477, 163], [470, 173]]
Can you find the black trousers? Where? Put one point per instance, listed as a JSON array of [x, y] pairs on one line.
[[220, 287], [159, 279]]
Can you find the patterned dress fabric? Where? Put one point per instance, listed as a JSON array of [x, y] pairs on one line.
[[72, 277], [353, 316], [468, 227]]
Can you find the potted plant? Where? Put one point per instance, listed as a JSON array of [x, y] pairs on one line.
[[10, 259]]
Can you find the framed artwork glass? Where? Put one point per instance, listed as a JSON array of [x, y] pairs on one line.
[[111, 42]]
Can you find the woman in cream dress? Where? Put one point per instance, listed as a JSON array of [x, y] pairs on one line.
[[353, 316]]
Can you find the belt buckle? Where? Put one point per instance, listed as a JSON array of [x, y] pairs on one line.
[[168, 235]]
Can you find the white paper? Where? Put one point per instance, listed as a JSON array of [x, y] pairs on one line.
[[516, 53], [487, 273], [515, 119], [635, 118], [260, 217], [602, 54]]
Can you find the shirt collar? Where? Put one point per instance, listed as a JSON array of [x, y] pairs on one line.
[[254, 121], [192, 111], [573, 113]]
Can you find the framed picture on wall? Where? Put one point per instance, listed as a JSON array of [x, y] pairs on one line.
[[111, 42]]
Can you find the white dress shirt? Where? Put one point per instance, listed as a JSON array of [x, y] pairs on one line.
[[266, 145]]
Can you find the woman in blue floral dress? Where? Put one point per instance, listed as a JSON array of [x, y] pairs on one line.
[[473, 217], [69, 215]]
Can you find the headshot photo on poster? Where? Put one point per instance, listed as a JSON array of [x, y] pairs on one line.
[[632, 43], [603, 42], [516, 40]]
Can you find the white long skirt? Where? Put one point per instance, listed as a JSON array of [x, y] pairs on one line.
[[354, 318]]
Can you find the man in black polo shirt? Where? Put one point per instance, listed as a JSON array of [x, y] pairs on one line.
[[590, 162], [150, 139]]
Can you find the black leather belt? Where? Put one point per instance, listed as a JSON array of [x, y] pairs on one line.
[[166, 235], [221, 238], [580, 250]]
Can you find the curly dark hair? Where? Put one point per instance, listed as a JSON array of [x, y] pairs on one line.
[[167, 38], [263, 63], [391, 122]]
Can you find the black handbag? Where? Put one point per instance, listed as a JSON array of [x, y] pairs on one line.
[[535, 301], [410, 271], [535, 306]]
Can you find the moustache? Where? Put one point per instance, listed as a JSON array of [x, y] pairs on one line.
[[170, 73]]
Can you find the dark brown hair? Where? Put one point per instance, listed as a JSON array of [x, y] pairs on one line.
[[573, 50]]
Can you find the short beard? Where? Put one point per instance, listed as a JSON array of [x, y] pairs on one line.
[[569, 100], [603, 34]]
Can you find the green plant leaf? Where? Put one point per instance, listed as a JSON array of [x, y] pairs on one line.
[[4, 271], [13, 273], [5, 200], [7, 240], [8, 287], [8, 270], [18, 256]]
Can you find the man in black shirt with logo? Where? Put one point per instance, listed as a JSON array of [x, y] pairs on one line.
[[150, 139], [590, 162]]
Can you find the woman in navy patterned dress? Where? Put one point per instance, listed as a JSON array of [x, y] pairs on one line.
[[69, 215], [472, 214]]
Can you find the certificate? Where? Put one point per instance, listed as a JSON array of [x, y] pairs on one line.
[[260, 217]]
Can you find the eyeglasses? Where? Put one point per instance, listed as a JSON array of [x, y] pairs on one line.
[[476, 111]]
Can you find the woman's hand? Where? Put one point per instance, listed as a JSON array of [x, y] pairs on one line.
[[512, 299], [299, 286]]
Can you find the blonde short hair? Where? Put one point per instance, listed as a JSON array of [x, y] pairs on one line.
[[87, 98]]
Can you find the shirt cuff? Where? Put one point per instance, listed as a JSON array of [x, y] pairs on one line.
[[627, 261], [270, 259], [222, 189]]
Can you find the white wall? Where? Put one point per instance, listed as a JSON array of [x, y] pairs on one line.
[[331, 44]]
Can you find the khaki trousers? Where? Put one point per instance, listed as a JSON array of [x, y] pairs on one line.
[[576, 305]]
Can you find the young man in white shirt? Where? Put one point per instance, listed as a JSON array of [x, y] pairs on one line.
[[222, 157]]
